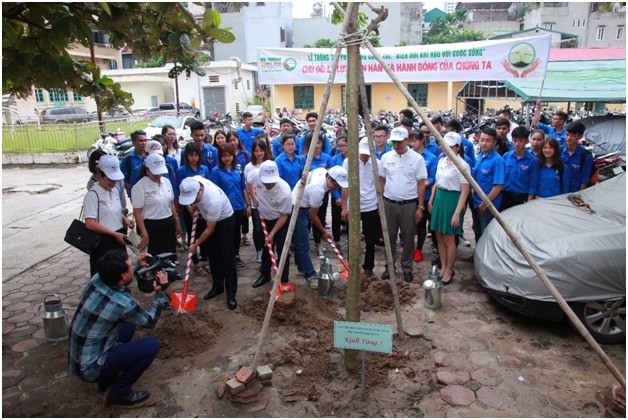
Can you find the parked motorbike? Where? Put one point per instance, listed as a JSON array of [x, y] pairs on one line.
[[112, 143]]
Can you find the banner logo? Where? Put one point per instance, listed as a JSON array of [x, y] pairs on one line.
[[290, 64], [521, 56]]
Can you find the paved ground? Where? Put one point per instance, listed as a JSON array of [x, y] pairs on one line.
[[485, 361]]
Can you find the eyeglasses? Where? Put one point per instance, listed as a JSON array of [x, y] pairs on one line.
[[380, 137]]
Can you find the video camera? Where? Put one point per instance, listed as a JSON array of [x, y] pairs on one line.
[[162, 262]]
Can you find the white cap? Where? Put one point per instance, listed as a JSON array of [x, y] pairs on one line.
[[339, 174], [363, 147], [188, 191], [268, 172], [398, 134], [452, 139], [111, 167], [153, 146], [156, 164]]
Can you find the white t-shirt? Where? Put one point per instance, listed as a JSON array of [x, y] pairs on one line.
[[368, 189], [155, 199], [448, 177], [249, 171], [513, 125], [274, 202], [110, 213], [401, 173], [214, 205], [315, 189]]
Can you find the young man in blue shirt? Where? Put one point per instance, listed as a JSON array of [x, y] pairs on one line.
[[135, 158], [488, 172], [247, 133], [522, 171], [557, 129], [454, 125], [209, 154], [311, 118], [286, 127], [576, 158]]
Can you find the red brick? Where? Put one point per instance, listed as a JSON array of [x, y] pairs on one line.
[[493, 397], [457, 395], [452, 378], [26, 345], [487, 377], [245, 374]]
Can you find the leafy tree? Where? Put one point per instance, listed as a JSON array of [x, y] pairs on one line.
[[374, 40], [448, 29], [322, 43], [36, 37]]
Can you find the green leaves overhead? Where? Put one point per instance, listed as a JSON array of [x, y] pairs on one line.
[[36, 37]]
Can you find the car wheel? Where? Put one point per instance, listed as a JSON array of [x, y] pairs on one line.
[[605, 319]]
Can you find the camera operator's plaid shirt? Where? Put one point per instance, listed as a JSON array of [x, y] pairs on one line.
[[99, 317]]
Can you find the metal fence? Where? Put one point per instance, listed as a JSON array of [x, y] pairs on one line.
[[43, 138]]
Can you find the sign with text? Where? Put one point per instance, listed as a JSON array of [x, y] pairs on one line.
[[363, 336], [503, 59]]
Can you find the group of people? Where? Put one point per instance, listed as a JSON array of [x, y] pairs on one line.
[[244, 174]]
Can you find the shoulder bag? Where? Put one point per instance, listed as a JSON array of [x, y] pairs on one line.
[[79, 236]]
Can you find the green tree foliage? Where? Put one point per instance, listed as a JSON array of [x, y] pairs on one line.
[[450, 29], [322, 43], [36, 38]]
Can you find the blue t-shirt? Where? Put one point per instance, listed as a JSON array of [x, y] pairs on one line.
[[379, 155], [431, 163], [130, 162], [432, 147], [522, 173], [488, 171], [550, 182], [551, 132], [242, 159], [319, 162], [186, 172], [578, 175], [247, 137], [209, 156], [469, 150], [336, 160], [290, 170], [231, 182], [277, 147]]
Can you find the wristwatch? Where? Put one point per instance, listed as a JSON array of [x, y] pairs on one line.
[[421, 206]]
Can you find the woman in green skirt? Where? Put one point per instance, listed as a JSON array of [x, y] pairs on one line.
[[447, 206]]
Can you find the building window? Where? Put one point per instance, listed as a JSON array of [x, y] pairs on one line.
[[248, 84], [58, 95], [113, 64], [600, 32], [39, 95], [77, 97], [548, 25], [584, 22], [418, 93], [282, 35], [620, 33], [260, 3], [303, 97]]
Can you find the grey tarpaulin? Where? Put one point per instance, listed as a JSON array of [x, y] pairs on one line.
[[583, 254], [606, 134]]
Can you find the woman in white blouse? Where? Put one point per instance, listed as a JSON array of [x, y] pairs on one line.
[[447, 205], [103, 212], [153, 207]]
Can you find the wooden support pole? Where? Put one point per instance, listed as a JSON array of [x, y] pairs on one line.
[[295, 210]]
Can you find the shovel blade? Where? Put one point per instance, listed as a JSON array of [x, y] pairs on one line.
[[183, 302]]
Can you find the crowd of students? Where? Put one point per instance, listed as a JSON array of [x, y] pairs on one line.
[[424, 188]]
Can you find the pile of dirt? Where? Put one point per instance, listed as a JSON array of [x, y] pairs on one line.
[[185, 334], [376, 295]]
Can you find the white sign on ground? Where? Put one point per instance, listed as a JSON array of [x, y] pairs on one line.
[[482, 60]]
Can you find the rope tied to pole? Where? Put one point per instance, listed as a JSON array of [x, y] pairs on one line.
[[355, 38]]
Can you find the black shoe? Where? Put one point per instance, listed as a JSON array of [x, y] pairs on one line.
[[385, 275], [232, 304], [133, 398], [407, 276], [212, 294], [261, 280], [368, 272]]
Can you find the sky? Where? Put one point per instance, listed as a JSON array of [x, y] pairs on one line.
[[302, 9]]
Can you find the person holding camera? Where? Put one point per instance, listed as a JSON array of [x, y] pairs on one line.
[[101, 348], [217, 239]]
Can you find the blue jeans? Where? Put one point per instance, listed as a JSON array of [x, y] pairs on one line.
[[301, 240], [127, 361], [480, 222]]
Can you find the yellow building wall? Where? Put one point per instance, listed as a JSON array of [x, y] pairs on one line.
[[384, 96]]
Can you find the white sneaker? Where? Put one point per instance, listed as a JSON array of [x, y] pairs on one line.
[[312, 282], [464, 242], [258, 258], [320, 253]]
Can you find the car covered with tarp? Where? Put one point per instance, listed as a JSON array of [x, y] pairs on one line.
[[579, 242]]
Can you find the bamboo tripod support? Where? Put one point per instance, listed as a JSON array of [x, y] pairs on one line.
[[301, 187], [524, 252]]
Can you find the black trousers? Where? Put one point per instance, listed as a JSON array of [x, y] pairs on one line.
[[240, 216], [371, 230], [162, 236], [258, 234], [510, 199], [279, 240], [219, 248], [421, 230], [107, 243], [336, 220], [322, 215], [200, 228]]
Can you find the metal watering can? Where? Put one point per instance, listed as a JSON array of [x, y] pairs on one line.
[[433, 288], [55, 319], [325, 280]]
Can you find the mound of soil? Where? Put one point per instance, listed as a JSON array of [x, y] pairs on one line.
[[185, 334], [376, 295]]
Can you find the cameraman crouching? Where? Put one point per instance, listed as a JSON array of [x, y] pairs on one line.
[[100, 346]]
